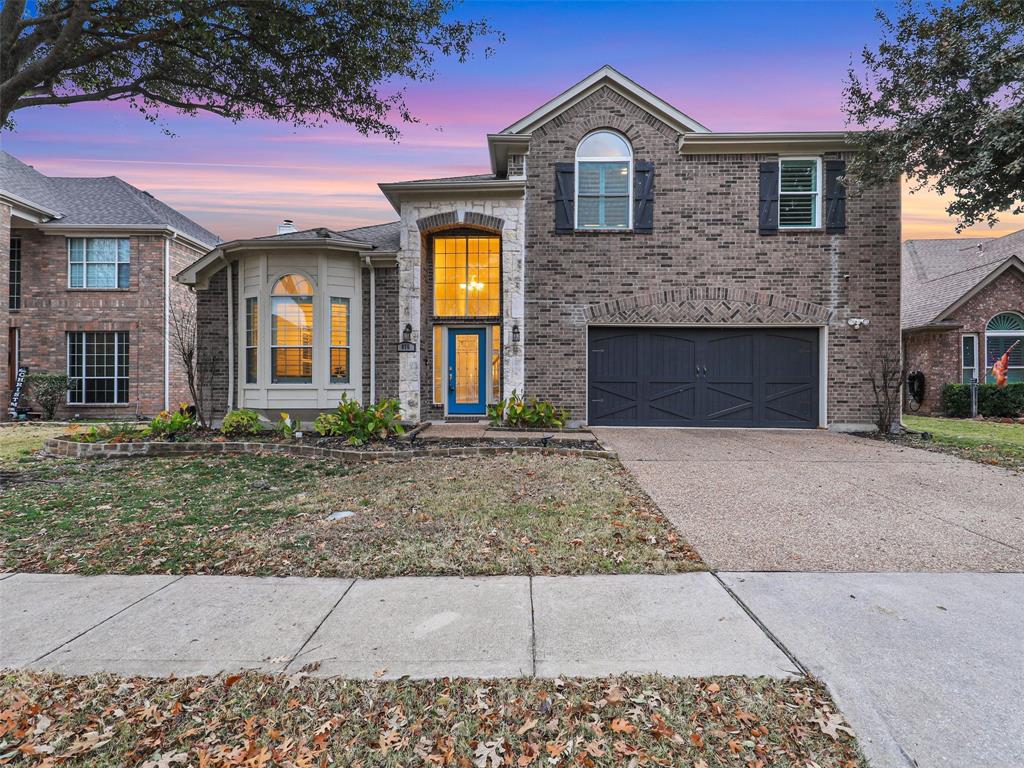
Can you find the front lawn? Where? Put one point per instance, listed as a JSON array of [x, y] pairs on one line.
[[267, 515], [19, 441], [989, 442], [104, 721]]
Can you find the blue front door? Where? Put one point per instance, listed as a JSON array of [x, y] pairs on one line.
[[467, 370]]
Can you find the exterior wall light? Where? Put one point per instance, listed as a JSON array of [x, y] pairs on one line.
[[858, 322], [407, 344], [515, 334]]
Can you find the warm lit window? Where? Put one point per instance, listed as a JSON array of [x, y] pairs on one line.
[[1000, 334], [467, 276], [98, 262], [291, 331], [97, 367], [496, 363], [252, 337], [604, 182], [339, 341], [799, 193]]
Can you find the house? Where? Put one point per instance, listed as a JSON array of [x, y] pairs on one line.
[[619, 259], [963, 307], [90, 290]]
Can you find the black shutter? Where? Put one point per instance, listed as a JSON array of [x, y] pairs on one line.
[[768, 208], [643, 196], [565, 197], [835, 196]]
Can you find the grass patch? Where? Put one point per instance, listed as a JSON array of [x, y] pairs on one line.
[[986, 441], [19, 441], [104, 721], [266, 515]]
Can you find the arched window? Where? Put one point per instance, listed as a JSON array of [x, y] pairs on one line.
[[291, 331], [604, 182], [1001, 332]]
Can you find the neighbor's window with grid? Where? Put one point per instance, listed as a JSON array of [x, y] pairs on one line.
[[97, 367], [339, 341], [467, 276], [98, 262], [799, 193], [14, 297]]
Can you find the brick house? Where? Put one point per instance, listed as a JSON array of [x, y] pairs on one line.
[[619, 259], [89, 288], [963, 307]]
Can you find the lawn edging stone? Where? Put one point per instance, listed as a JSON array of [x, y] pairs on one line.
[[65, 448]]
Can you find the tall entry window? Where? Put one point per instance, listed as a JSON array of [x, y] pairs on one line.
[[467, 276], [291, 331]]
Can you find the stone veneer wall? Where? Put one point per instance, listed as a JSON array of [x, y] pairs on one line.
[[937, 353], [705, 236], [415, 371]]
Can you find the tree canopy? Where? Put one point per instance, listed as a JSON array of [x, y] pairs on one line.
[[940, 100], [306, 62]]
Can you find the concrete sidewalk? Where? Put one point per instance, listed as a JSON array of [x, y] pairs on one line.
[[683, 624]]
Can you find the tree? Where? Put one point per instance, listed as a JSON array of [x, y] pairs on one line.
[[940, 101], [300, 61], [184, 341], [886, 375]]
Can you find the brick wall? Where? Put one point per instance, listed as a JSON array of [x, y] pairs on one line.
[[938, 354], [387, 336], [212, 315], [49, 310], [705, 235]]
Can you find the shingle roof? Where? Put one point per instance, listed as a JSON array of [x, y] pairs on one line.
[[451, 179], [104, 201], [936, 273], [383, 237]]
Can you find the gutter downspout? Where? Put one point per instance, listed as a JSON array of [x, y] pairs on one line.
[[373, 330], [167, 323], [231, 337]]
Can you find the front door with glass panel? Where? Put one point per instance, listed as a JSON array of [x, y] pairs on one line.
[[467, 371]]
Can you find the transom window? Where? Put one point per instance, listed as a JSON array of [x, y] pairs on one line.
[[97, 367], [467, 276], [1000, 334], [98, 262], [604, 182], [799, 193], [291, 331]]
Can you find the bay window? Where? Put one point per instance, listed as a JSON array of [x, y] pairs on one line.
[[291, 331], [340, 347]]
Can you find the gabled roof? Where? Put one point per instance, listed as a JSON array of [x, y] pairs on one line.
[[618, 82], [940, 275], [82, 203], [376, 240], [481, 183]]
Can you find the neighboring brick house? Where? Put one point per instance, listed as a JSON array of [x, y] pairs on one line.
[[963, 307], [90, 291], [620, 259]]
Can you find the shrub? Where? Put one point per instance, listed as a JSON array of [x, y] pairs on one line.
[[241, 423], [117, 432], [955, 400], [359, 425], [517, 412], [287, 427], [48, 390], [171, 425]]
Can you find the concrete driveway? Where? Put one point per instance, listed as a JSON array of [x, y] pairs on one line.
[[774, 500]]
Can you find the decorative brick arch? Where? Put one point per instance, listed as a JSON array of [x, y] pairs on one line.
[[457, 218], [626, 121], [708, 306]]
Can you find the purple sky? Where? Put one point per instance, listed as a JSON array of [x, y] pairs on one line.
[[732, 66]]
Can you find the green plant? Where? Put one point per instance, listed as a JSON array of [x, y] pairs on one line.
[[241, 423], [117, 432], [955, 400], [359, 425], [48, 390], [170, 425], [515, 411], [287, 426]]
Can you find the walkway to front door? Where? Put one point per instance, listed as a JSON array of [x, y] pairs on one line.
[[467, 379]]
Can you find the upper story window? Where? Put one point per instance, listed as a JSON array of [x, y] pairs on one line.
[[799, 193], [604, 182], [291, 331], [98, 262], [1000, 334], [467, 276]]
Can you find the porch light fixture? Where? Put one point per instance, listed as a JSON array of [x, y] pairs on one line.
[[515, 333], [407, 344], [858, 322]]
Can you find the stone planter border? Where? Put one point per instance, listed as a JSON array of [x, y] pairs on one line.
[[63, 447]]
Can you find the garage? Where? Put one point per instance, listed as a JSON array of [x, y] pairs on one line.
[[703, 377]]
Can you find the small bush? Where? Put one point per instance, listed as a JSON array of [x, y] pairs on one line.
[[287, 427], [171, 425], [48, 390], [517, 412], [955, 400], [241, 423], [118, 432], [360, 425]]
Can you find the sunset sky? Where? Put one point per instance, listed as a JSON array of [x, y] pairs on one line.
[[733, 66]]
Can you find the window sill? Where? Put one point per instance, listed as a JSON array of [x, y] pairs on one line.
[[99, 405], [100, 290], [630, 231]]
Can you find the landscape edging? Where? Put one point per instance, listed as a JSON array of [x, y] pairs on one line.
[[62, 447]]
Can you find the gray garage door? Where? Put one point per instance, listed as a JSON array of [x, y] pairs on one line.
[[703, 377]]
